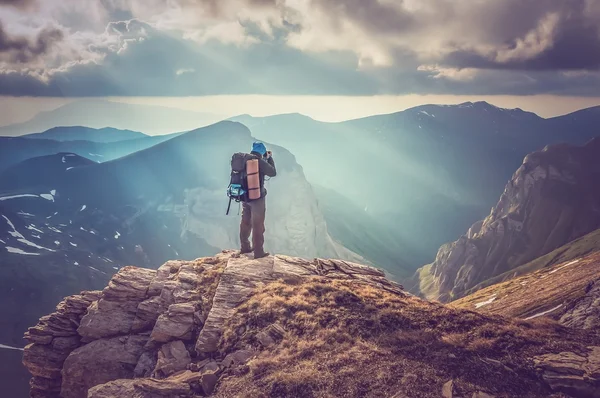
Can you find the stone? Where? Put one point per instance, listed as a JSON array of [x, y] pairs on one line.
[[448, 389], [172, 357], [176, 323], [239, 357], [99, 362], [272, 334], [113, 389], [208, 381], [146, 364], [572, 373]]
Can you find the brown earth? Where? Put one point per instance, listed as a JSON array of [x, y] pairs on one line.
[[558, 287]]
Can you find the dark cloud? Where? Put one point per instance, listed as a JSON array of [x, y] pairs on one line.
[[574, 42], [19, 49], [17, 3]]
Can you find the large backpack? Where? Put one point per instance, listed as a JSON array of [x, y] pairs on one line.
[[238, 183]]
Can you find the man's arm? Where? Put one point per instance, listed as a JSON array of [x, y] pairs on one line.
[[267, 167]]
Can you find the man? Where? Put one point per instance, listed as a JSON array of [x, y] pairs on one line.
[[253, 212]]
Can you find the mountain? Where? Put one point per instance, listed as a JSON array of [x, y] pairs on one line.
[[80, 133], [297, 328], [426, 173], [16, 149], [99, 113], [568, 292], [168, 201], [552, 199]]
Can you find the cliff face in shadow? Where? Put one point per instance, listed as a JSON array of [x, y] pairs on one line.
[[552, 199]]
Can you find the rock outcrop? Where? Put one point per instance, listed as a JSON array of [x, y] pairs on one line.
[[571, 373], [552, 199], [162, 325], [584, 313]]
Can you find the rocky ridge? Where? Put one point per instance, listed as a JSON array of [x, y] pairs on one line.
[[552, 199], [162, 327]]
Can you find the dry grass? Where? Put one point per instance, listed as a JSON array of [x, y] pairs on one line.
[[534, 293], [345, 339]]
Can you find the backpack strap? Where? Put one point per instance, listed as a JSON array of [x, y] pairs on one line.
[[228, 207]]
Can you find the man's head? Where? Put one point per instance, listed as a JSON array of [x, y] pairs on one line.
[[259, 148]]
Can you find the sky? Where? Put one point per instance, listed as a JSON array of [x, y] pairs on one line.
[[375, 55]]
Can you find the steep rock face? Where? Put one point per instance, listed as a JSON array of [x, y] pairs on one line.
[[148, 323], [552, 199]]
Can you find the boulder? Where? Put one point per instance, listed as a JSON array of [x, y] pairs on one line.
[[99, 362], [172, 357], [176, 323]]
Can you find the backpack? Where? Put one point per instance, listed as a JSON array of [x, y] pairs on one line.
[[238, 182]]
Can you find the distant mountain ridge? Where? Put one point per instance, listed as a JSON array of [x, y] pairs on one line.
[[100, 113], [80, 133], [426, 173]]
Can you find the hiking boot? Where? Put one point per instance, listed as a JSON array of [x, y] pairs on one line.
[[246, 250], [261, 255]]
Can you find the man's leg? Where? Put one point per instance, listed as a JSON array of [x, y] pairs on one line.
[[246, 228], [258, 226]]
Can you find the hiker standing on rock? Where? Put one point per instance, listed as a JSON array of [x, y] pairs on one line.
[[248, 187]]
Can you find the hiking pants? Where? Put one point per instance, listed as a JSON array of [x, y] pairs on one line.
[[253, 220]]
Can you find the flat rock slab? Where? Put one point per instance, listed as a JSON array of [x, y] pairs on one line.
[[243, 275]]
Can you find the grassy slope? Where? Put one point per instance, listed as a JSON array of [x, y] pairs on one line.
[[346, 339], [553, 287], [587, 244]]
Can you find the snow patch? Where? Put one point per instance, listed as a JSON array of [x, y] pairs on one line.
[[95, 154], [544, 313], [19, 251], [96, 269], [427, 114], [69, 168], [75, 263], [57, 243], [16, 234], [117, 268], [55, 230], [117, 234], [36, 236], [488, 301], [83, 208], [53, 192], [566, 265], [64, 160], [22, 213], [3, 242], [73, 244], [33, 228], [25, 195], [7, 347], [47, 196]]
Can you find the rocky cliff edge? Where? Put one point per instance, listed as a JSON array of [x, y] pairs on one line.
[[231, 326]]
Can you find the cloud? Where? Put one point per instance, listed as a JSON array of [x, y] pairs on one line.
[[17, 3], [20, 49], [341, 47]]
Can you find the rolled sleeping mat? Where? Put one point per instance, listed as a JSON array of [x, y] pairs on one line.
[[253, 179]]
